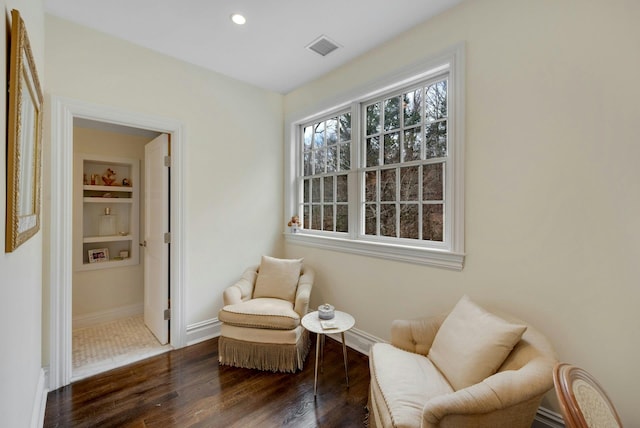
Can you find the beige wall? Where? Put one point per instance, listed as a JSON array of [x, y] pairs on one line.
[[552, 181], [21, 270], [232, 148], [105, 290], [552, 185]]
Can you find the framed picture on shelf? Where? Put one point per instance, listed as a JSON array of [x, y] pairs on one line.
[[99, 255]]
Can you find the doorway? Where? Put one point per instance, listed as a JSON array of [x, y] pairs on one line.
[[118, 301], [59, 230]]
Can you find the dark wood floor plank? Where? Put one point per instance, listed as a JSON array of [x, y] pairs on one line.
[[187, 388]]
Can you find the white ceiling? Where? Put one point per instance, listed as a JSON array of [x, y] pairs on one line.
[[269, 50]]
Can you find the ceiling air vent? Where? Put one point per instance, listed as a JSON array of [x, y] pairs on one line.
[[323, 46]]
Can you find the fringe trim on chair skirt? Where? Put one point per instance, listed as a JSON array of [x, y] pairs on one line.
[[264, 356]]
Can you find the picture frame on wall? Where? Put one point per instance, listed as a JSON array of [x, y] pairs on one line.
[[24, 137], [99, 255]]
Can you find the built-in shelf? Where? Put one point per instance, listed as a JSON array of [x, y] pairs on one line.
[[108, 238], [108, 188], [103, 200], [107, 216], [111, 263]]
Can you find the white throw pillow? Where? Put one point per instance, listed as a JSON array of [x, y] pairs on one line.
[[278, 278], [472, 344]]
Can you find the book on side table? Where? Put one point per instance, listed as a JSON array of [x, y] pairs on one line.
[[328, 324]]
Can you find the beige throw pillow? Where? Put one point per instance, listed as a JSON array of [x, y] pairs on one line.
[[472, 344], [278, 278]]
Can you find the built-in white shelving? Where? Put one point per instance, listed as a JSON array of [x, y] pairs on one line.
[[94, 199]]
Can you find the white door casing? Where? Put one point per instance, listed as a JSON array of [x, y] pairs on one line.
[[58, 228], [155, 250]]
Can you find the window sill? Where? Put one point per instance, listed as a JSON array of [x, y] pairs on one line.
[[423, 256]]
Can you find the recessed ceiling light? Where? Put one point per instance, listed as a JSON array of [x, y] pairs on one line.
[[238, 19]]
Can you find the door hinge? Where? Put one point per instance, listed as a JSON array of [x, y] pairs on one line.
[[167, 161], [167, 314], [167, 238]]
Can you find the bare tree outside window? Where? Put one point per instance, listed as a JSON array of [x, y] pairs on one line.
[[382, 172], [326, 159], [406, 143]]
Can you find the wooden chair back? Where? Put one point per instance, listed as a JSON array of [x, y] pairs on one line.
[[584, 402]]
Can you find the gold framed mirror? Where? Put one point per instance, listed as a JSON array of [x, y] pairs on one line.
[[24, 136]]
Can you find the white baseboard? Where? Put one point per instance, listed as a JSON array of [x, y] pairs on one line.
[[358, 340], [40, 402], [201, 331], [208, 329], [95, 318], [545, 418]]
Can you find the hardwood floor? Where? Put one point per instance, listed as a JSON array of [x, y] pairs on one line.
[[187, 388]]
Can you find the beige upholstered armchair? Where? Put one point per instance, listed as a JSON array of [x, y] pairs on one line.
[[261, 317], [469, 368]]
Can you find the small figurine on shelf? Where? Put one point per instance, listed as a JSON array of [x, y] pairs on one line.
[[294, 224], [109, 177], [126, 182]]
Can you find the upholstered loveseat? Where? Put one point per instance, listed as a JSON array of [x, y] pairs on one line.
[[468, 368]]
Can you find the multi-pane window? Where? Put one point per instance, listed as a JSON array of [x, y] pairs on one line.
[[406, 144], [383, 174], [326, 159]]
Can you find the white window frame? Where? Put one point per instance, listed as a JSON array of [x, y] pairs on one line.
[[449, 254], [300, 177]]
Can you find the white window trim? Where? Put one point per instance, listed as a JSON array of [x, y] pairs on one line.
[[451, 257]]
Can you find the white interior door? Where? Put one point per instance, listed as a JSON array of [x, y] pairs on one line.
[[156, 224]]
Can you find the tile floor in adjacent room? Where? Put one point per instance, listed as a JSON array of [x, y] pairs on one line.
[[113, 344]]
